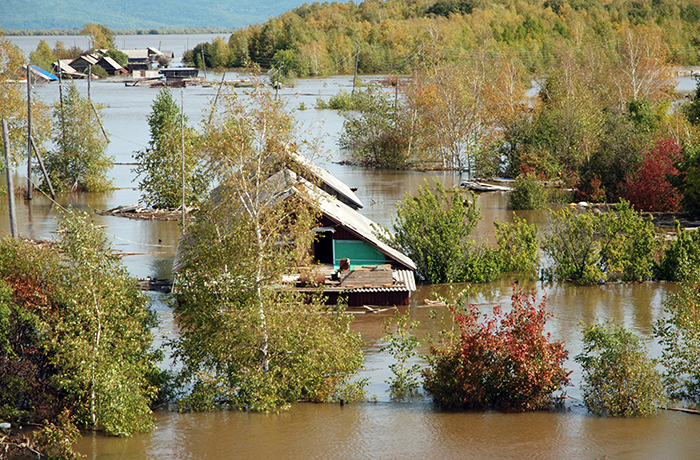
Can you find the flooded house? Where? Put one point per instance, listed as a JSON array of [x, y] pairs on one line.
[[146, 59], [39, 75], [352, 261], [179, 76]]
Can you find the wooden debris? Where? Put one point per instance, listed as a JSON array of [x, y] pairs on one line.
[[483, 187]]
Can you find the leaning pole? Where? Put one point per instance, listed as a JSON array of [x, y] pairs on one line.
[[10, 185]]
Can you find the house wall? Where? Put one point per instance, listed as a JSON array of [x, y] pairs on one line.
[[359, 253]]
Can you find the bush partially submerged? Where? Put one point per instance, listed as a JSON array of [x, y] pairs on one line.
[[528, 193], [619, 377], [505, 361], [679, 335]]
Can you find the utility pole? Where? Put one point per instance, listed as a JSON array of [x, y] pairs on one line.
[[89, 79], [354, 77], [29, 135], [182, 141], [204, 64], [10, 185], [396, 96], [277, 85]]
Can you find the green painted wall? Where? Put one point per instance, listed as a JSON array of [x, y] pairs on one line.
[[359, 253]]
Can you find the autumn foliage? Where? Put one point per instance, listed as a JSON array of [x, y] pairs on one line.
[[649, 189], [504, 361]]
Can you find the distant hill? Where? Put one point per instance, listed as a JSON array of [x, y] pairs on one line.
[[138, 14]]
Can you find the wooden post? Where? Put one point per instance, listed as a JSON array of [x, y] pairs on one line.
[[277, 85], [396, 97], [29, 135], [43, 169], [10, 185], [60, 84], [354, 77], [204, 64], [182, 140], [89, 79]]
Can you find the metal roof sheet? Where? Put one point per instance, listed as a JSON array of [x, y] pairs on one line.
[[43, 73], [331, 181], [114, 64], [360, 225]]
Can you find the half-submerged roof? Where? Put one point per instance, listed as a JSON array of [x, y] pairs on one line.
[[329, 183], [362, 226], [41, 73]]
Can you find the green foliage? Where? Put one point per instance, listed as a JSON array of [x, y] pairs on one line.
[[527, 193], [401, 345], [78, 163], [678, 333], [244, 342], [13, 104], [99, 35], [681, 256], [161, 166], [55, 441], [373, 130], [504, 361], [121, 58], [433, 228], [113, 364], [341, 101], [43, 56], [591, 248], [619, 378], [518, 246], [688, 181], [76, 328]]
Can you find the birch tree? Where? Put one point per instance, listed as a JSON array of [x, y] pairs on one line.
[[244, 341], [161, 164], [79, 162], [74, 334]]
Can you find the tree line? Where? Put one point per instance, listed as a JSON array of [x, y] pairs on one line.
[[604, 121], [396, 36]]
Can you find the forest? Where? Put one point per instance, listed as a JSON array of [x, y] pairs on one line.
[[581, 93]]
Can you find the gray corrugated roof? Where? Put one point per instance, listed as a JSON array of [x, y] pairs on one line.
[[114, 64], [407, 277], [362, 226], [331, 181], [136, 54]]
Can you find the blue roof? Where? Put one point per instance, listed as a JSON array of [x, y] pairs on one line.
[[47, 75]]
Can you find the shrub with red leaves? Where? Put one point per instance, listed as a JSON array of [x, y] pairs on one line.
[[505, 362], [649, 189]]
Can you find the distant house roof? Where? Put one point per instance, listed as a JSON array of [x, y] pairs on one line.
[[87, 58], [66, 69], [329, 183], [136, 55], [42, 74], [155, 51], [109, 63]]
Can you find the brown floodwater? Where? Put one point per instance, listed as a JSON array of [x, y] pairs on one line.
[[381, 428]]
